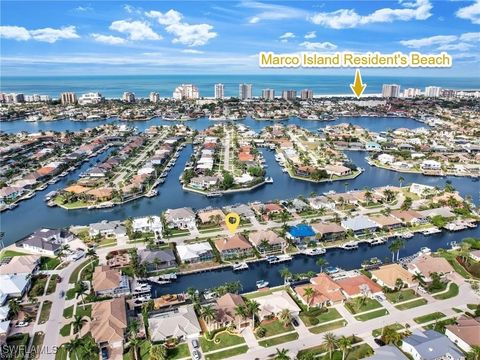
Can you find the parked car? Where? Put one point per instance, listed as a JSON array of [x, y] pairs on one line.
[[195, 344], [104, 353], [196, 355], [21, 324], [295, 322], [379, 342]]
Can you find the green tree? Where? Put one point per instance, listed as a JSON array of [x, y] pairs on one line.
[[344, 344], [77, 323], [331, 343], [73, 346], [282, 354], [158, 352], [321, 261]]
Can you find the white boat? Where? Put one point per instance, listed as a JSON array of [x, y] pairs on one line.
[[350, 246], [142, 287], [378, 241], [214, 194], [261, 284], [425, 250], [33, 118], [431, 231], [269, 180], [407, 235], [240, 266], [144, 298], [315, 251]]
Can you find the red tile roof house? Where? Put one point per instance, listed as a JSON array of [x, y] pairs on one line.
[[326, 292], [265, 210], [226, 315], [236, 246], [465, 333], [360, 285]]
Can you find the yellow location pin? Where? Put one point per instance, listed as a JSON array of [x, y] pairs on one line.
[[232, 220]]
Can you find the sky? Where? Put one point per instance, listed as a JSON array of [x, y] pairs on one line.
[[225, 37]]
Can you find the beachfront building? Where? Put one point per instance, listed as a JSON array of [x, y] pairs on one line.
[[244, 91], [186, 92], [390, 90], [268, 94], [219, 91], [90, 98]]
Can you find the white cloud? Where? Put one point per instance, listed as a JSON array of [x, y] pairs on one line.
[[471, 12], [470, 37], [318, 45], [192, 51], [349, 18], [458, 46], [311, 35], [108, 39], [83, 8], [272, 12], [136, 30], [286, 36], [184, 33], [14, 32], [49, 35], [429, 41]]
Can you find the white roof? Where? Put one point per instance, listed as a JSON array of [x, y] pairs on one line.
[[145, 222], [276, 302], [192, 251], [179, 322], [4, 310], [13, 284], [4, 325]]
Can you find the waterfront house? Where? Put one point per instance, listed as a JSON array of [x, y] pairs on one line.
[[157, 259], [326, 292], [105, 228], [182, 218], [386, 221], [26, 265], [194, 253], [430, 165], [328, 231], [359, 224], [386, 158], [215, 216], [430, 345], [109, 282], [427, 265], [45, 241], [241, 209], [180, 323], [203, 182], [147, 224], [300, 232], [108, 326], [99, 194], [338, 170], [359, 285], [465, 333], [445, 212], [267, 241], [421, 189], [235, 246], [408, 217], [387, 275], [372, 146], [321, 202], [9, 193], [225, 313], [267, 210], [298, 206], [271, 305]]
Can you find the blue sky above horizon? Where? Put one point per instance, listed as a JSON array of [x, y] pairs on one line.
[[202, 37]]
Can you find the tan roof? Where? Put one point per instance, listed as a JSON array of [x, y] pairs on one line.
[[428, 264], [353, 285], [467, 329], [109, 320], [209, 215], [237, 241], [226, 307], [105, 278], [389, 274], [327, 228], [100, 192], [269, 235], [406, 215], [20, 265], [76, 189], [383, 220]]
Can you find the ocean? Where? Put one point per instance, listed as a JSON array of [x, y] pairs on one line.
[[142, 85]]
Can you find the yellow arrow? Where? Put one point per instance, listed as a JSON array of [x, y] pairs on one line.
[[358, 87]]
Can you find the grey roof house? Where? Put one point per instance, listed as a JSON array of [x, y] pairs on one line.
[[45, 241], [431, 345], [157, 259], [359, 224]]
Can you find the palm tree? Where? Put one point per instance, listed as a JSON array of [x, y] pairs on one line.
[[400, 245], [15, 307], [252, 308], [309, 294], [285, 274], [282, 354], [393, 247], [135, 343], [420, 279], [330, 343], [401, 180], [322, 262], [474, 354], [390, 335], [344, 344], [284, 216], [132, 329], [91, 253], [90, 349], [360, 301], [285, 317], [80, 290], [208, 313], [158, 352], [72, 346], [77, 323], [241, 312]]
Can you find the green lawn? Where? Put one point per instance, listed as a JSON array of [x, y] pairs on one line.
[[396, 326], [328, 327], [358, 352], [274, 328], [74, 275], [401, 296], [85, 310], [68, 312], [79, 354], [451, 257], [439, 326], [18, 343], [144, 351], [70, 294], [10, 253], [45, 312], [452, 292], [369, 304], [179, 352], [52, 284], [222, 340], [37, 343], [429, 317], [227, 353], [310, 318], [412, 304], [38, 285], [48, 263], [65, 330], [372, 315], [278, 340]]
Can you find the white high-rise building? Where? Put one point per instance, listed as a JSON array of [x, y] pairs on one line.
[[128, 97], [432, 91], [154, 97], [68, 98], [306, 94], [289, 94], [245, 91], [411, 92], [90, 98], [219, 91], [391, 90], [268, 94], [186, 92], [37, 98]]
